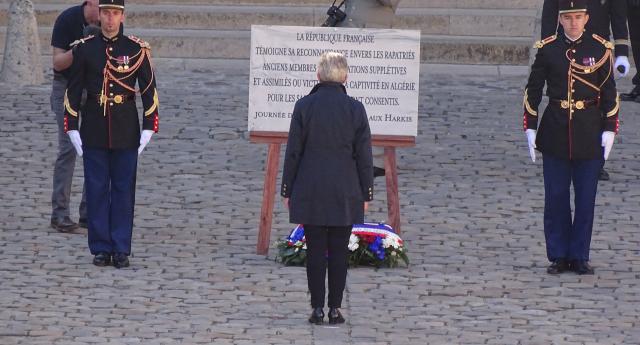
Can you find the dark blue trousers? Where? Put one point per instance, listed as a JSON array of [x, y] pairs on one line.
[[567, 238], [110, 182]]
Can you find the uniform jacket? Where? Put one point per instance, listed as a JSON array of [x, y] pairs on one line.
[[369, 13], [108, 68], [583, 100], [328, 168], [605, 16]]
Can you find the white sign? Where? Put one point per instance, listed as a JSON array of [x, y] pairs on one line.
[[384, 74]]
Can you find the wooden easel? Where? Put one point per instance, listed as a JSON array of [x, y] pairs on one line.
[[275, 141]]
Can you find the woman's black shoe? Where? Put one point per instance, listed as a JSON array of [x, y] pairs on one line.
[[317, 316], [335, 316]]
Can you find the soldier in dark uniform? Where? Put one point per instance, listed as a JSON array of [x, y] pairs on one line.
[[606, 16], [634, 33], [575, 134], [108, 66]]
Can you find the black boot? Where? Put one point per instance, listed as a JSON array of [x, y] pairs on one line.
[[634, 95], [558, 266], [317, 316], [120, 260], [335, 316], [64, 224], [582, 267], [102, 259]]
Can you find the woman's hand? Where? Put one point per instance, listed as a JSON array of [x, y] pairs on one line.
[[286, 203], [366, 206]]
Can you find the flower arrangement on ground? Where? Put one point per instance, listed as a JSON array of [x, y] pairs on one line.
[[370, 244]]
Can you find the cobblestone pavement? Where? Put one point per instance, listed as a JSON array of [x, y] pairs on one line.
[[472, 213]]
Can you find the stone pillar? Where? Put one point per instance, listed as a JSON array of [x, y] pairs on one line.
[[22, 59]]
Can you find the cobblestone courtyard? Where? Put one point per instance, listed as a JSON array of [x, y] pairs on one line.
[[472, 219]]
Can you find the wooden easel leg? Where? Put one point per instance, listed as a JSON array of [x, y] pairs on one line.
[[268, 197], [393, 199]]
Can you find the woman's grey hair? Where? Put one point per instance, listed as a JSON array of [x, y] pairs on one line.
[[332, 67]]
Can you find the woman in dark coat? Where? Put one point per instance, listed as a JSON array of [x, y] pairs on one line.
[[327, 180]]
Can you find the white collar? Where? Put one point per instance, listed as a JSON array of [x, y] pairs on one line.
[[571, 39]]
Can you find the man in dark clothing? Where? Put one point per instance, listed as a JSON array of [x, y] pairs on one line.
[[369, 13], [575, 134], [68, 28], [634, 33], [605, 16], [108, 66]]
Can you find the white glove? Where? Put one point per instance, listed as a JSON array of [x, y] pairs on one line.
[[145, 137], [74, 136], [607, 143], [531, 138], [622, 61]]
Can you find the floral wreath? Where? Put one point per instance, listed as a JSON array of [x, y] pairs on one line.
[[370, 244]]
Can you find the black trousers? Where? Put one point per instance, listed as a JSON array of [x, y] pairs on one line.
[[634, 33], [327, 247]]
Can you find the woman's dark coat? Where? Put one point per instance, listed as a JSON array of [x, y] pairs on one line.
[[328, 168]]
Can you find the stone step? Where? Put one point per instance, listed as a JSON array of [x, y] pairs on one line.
[[235, 44], [487, 4], [454, 31], [466, 22], [166, 65]]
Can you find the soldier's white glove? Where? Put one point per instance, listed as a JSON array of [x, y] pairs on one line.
[[74, 136], [145, 137], [607, 143], [531, 138], [624, 62]]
